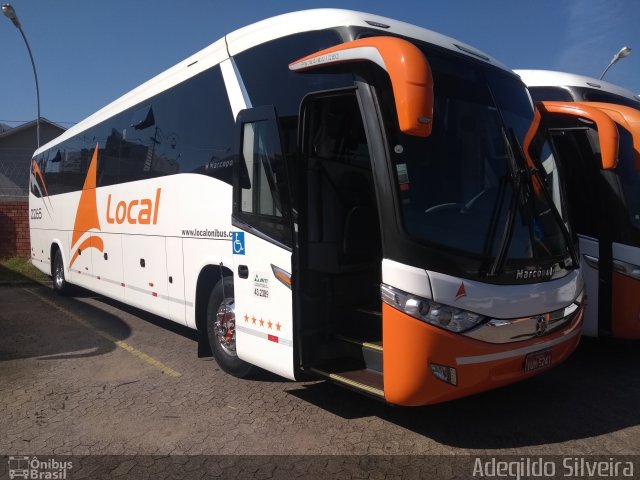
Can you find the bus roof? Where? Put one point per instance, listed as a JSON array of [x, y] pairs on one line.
[[550, 78], [256, 34]]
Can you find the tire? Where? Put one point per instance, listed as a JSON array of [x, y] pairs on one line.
[[60, 284], [222, 340]]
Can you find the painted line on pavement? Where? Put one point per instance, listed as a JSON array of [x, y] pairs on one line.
[[125, 346]]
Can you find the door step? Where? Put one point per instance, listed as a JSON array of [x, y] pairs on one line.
[[362, 380], [370, 352], [374, 345]]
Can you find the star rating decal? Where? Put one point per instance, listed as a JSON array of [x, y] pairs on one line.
[[259, 321]]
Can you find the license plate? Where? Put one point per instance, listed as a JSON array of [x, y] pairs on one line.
[[537, 360]]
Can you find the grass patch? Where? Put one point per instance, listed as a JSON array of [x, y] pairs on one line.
[[19, 269]]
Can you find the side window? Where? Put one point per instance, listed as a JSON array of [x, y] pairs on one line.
[[187, 129], [576, 156], [261, 193], [66, 167], [36, 183], [109, 156], [199, 126], [267, 66], [628, 174], [139, 155]]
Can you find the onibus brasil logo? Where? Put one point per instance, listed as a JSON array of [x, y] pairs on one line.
[[33, 468]]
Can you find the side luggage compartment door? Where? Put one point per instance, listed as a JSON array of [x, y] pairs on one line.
[[261, 243]]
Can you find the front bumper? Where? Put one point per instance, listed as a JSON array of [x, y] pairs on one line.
[[411, 346]]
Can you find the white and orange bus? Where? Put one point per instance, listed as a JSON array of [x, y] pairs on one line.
[[325, 192], [603, 197]]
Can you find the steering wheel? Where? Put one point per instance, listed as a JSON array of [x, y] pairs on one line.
[[461, 207]]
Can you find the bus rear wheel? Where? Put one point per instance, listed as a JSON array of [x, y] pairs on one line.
[[221, 329], [60, 284]]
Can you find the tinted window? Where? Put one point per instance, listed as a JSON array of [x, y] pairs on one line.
[[36, 184], [188, 129], [260, 196], [109, 155], [457, 188], [576, 154], [629, 175], [263, 181], [592, 95], [65, 167], [551, 94], [268, 80]]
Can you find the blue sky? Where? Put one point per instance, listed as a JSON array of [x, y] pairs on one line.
[[88, 53]]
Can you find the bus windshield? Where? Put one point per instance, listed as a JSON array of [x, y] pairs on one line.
[[593, 95], [467, 188]]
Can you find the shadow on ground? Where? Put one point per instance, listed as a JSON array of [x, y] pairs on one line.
[[597, 391], [9, 277], [24, 334], [257, 375]]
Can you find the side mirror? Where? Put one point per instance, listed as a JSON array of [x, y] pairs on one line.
[[626, 117], [606, 127], [408, 69]]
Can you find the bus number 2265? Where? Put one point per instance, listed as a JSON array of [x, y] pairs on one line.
[[36, 213]]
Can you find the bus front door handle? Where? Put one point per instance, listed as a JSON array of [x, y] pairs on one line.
[[243, 271]]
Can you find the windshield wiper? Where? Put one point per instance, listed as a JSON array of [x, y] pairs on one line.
[[517, 174]]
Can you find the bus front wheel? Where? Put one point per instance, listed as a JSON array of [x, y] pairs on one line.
[[221, 329]]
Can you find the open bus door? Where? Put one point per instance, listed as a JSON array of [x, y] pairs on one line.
[[591, 148], [262, 210], [261, 245], [340, 164]]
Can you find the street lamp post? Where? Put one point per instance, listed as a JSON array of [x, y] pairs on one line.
[[624, 51], [10, 13]]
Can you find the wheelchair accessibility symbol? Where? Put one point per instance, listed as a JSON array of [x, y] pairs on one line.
[[238, 243]]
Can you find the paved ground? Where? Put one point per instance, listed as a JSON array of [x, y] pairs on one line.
[[86, 375]]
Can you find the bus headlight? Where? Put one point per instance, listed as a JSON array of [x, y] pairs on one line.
[[444, 316]]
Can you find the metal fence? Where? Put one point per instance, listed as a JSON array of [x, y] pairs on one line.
[[14, 172]]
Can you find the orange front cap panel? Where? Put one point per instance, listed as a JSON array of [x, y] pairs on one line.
[[408, 70], [625, 310], [410, 345]]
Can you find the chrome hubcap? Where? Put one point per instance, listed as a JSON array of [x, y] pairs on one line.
[[58, 275], [224, 326]]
